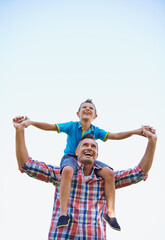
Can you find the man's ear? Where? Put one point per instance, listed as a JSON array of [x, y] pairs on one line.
[[76, 152]]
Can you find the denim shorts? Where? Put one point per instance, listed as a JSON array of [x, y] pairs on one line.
[[101, 164], [71, 160]]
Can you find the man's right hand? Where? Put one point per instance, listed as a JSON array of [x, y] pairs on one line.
[[21, 120], [149, 132]]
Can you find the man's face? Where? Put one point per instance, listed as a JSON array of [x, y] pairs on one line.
[[87, 111], [87, 151]]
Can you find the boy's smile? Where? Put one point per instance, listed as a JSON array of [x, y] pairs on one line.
[[87, 112]]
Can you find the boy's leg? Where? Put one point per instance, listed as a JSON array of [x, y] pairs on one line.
[[108, 175], [65, 187], [109, 178], [68, 167]]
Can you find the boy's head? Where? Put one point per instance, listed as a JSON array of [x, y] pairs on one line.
[[87, 110], [87, 101]]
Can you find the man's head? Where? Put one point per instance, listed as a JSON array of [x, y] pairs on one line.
[[87, 110], [87, 150]]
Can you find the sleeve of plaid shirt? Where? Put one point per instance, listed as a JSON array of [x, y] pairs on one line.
[[130, 176], [41, 171], [49, 173]]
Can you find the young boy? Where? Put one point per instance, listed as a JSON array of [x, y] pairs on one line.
[[75, 130]]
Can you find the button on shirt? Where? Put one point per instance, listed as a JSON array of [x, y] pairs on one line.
[[75, 132], [86, 202]]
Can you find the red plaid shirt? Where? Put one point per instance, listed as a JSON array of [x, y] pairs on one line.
[[87, 199]]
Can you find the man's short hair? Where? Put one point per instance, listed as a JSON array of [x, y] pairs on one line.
[[88, 135], [87, 101]]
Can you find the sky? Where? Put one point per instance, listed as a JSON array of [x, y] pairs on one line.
[[56, 54]]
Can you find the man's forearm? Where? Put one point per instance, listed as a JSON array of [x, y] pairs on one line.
[[148, 157], [21, 150]]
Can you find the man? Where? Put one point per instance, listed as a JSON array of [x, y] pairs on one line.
[[86, 205]]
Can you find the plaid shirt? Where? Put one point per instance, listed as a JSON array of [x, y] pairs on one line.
[[87, 200]]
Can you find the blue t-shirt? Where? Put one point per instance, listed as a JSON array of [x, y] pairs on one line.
[[75, 132]]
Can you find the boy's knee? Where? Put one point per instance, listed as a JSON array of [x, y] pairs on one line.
[[108, 173], [67, 171]]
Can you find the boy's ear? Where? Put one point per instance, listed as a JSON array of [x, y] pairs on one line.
[[95, 116]]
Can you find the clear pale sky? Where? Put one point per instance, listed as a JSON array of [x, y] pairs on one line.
[[53, 56]]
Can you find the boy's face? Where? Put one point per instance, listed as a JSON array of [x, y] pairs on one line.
[[87, 112]]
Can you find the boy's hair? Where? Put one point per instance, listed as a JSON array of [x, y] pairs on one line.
[[87, 101], [88, 135]]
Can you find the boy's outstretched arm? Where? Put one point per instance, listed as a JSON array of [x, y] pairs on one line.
[[41, 125], [123, 135]]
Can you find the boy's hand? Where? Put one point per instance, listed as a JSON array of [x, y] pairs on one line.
[[25, 121], [21, 121], [17, 124], [140, 131], [149, 132]]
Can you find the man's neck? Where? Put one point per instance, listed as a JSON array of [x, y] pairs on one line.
[[87, 169]]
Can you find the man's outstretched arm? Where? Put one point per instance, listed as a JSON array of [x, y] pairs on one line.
[[21, 150], [134, 175], [148, 157], [35, 169]]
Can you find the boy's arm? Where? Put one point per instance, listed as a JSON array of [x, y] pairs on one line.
[[41, 125], [123, 135]]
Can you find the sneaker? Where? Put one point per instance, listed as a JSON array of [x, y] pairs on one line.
[[63, 221], [112, 222]]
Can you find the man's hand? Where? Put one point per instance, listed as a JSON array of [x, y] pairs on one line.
[[140, 131], [146, 162], [149, 132], [21, 121], [21, 151]]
